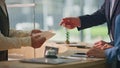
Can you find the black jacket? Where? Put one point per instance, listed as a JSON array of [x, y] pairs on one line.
[[4, 29], [101, 16]]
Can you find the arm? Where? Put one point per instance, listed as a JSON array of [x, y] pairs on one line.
[[19, 33], [114, 53], [111, 54], [95, 19], [9, 43], [35, 41], [86, 21]]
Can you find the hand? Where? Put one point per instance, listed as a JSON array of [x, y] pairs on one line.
[[102, 45], [35, 31], [37, 40], [101, 42], [106, 46], [70, 22], [96, 52]]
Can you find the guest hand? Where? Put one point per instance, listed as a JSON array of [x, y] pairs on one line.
[[37, 41], [70, 22], [35, 31]]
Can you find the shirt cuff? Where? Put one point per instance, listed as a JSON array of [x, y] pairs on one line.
[[111, 54]]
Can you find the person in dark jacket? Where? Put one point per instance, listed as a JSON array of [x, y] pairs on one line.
[[106, 14]]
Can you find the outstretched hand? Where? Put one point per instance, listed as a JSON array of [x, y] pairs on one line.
[[70, 22], [37, 41], [35, 31]]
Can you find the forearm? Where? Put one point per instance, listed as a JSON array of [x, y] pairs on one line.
[[94, 19], [18, 33], [10, 43], [90, 21]]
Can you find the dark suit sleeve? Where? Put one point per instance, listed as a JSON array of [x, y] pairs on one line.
[[95, 19]]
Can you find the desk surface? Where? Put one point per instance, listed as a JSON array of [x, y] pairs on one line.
[[88, 63], [84, 63]]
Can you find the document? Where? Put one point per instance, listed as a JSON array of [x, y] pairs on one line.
[[46, 34]]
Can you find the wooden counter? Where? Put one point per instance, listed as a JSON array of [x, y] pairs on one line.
[[89, 63], [84, 63]]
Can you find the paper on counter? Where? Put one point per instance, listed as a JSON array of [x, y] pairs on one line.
[[49, 60], [71, 57], [46, 34]]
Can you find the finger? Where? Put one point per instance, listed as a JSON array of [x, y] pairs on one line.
[[64, 23], [99, 42], [69, 26], [64, 20], [36, 31], [90, 54], [98, 46], [90, 51], [61, 23], [66, 26], [36, 35], [41, 41], [104, 47]]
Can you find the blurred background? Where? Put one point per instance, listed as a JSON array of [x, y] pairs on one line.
[[46, 15]]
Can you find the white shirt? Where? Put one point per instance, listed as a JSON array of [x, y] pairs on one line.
[[112, 2]]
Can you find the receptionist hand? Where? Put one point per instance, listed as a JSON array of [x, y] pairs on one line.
[[102, 45], [96, 52], [37, 40], [70, 22]]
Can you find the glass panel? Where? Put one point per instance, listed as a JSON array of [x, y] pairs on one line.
[[48, 13]]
